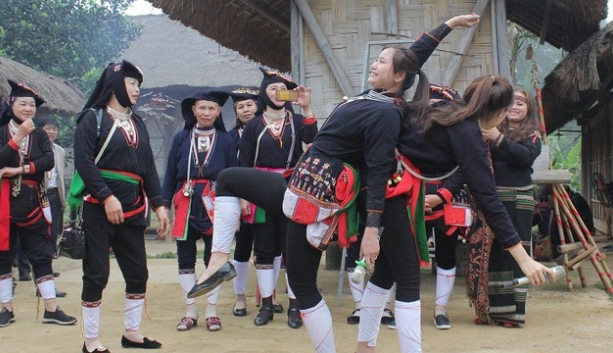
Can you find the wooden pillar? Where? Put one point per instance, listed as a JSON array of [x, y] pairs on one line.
[[500, 39]]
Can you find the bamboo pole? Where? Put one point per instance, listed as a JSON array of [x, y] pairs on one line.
[[556, 208], [600, 256], [606, 280]]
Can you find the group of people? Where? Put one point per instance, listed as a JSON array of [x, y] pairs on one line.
[[259, 184]]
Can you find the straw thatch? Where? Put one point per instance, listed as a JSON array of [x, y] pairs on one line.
[[577, 78], [259, 30], [562, 23], [61, 96]]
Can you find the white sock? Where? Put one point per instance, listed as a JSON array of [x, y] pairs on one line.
[[242, 274], [357, 290], [265, 281], [390, 297], [444, 286], [211, 302], [318, 322], [276, 267], [91, 319], [290, 292], [47, 289], [187, 282], [371, 311], [408, 325], [134, 310], [225, 223], [6, 289]]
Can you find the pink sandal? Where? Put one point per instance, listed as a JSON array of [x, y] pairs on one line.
[[187, 323], [213, 323]]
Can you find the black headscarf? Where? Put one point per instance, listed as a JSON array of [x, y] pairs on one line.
[[18, 89], [270, 77], [112, 81], [219, 97]]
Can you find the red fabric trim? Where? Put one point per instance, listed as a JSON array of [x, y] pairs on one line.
[[13, 145], [309, 121], [434, 215], [32, 168], [429, 35], [5, 213], [445, 195]]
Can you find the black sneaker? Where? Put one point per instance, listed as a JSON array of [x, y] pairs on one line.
[[442, 322], [392, 325], [58, 317], [6, 317]]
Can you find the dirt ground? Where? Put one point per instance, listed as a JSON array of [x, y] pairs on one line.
[[558, 320]]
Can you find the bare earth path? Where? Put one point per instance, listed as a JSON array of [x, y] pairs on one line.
[[558, 320]]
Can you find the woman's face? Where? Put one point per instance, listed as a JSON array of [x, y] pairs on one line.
[[382, 75], [206, 112], [271, 92], [132, 89], [24, 108], [519, 110], [245, 110]]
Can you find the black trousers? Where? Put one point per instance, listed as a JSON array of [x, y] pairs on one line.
[[244, 243], [35, 247], [270, 238], [128, 244], [396, 263], [445, 245], [187, 249], [57, 214]]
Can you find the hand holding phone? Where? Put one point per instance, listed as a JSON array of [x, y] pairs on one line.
[[287, 95]]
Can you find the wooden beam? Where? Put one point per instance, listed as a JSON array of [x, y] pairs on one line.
[[546, 17], [269, 15], [391, 17], [297, 44], [465, 39], [324, 46], [503, 51]]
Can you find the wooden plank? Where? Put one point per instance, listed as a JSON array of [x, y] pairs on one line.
[[467, 37], [297, 43], [553, 176], [324, 46], [391, 16]]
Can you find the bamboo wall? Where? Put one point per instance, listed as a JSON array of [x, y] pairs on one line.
[[349, 24], [597, 154]]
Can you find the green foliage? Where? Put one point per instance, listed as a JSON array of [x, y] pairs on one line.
[[67, 38], [164, 255], [566, 154]]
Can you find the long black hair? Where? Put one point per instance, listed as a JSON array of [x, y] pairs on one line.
[[405, 60]]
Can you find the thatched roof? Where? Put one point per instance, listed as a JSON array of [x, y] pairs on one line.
[[259, 30], [562, 23], [581, 82], [171, 54], [60, 95]]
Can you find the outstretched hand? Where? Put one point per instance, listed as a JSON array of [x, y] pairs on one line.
[[465, 21]]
